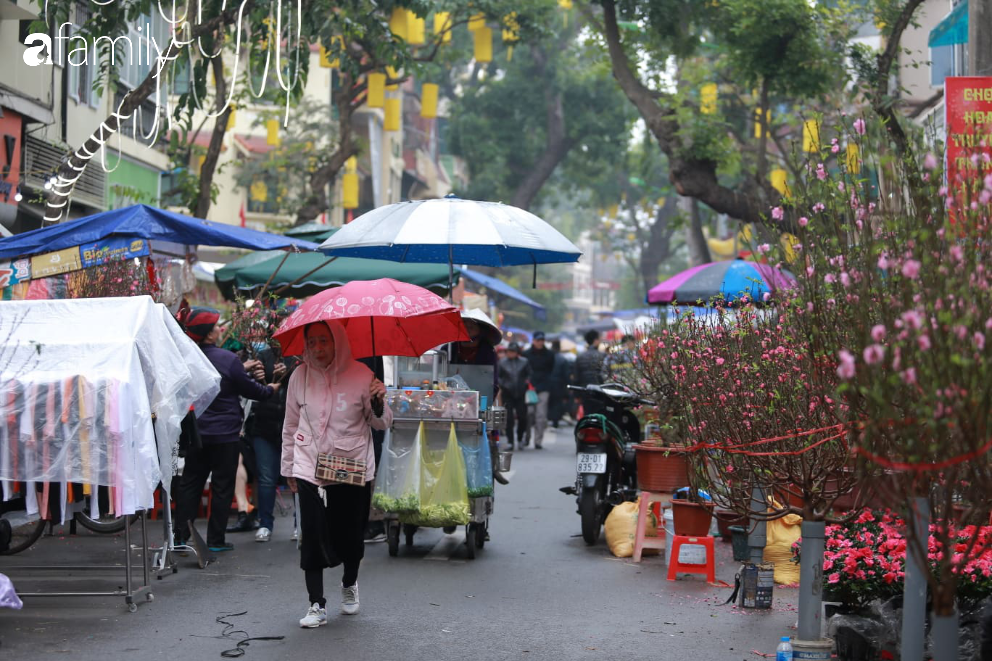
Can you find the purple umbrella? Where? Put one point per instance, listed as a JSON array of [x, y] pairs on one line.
[[729, 280]]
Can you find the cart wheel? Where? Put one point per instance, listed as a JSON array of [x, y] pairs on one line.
[[480, 537], [393, 539], [471, 535], [408, 531], [132, 607]]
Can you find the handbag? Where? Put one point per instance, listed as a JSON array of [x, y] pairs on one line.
[[340, 470], [531, 396]]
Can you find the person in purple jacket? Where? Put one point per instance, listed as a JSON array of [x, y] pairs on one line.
[[220, 430]]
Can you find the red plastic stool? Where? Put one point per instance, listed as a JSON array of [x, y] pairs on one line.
[[676, 567], [649, 502]]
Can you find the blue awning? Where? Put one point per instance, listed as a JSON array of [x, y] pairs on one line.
[[144, 222], [500, 288], [953, 29]]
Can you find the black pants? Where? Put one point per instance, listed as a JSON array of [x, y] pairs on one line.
[[516, 416], [332, 533], [220, 461]]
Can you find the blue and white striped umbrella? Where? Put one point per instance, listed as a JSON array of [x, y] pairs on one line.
[[452, 231]]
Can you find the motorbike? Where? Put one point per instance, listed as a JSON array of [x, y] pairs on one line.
[[606, 469]]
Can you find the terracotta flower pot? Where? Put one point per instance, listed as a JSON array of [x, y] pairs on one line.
[[662, 470], [725, 519], [692, 519]]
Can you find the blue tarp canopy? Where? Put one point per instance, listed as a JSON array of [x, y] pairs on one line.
[[144, 222], [500, 288], [953, 29]]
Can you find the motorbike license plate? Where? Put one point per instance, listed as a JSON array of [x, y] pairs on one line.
[[591, 463]]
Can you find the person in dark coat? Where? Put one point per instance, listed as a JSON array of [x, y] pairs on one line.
[[514, 378], [561, 376], [220, 431], [542, 365], [589, 369]]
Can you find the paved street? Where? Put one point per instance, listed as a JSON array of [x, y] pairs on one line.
[[535, 592]]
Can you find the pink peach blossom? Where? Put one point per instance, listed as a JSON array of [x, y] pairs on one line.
[[846, 368], [911, 268], [878, 332]]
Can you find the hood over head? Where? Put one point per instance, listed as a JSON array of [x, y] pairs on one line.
[[342, 348]]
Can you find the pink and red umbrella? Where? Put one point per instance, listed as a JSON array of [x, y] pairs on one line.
[[382, 317]]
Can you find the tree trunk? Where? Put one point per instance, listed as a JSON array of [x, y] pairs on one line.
[[979, 38], [699, 250], [205, 198], [57, 203], [556, 146], [691, 177], [317, 202], [658, 247]]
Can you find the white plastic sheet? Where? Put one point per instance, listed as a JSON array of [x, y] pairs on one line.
[[79, 382]]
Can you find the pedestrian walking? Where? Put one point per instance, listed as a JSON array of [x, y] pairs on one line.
[[618, 365], [514, 378], [220, 432], [542, 366], [589, 369], [561, 376], [332, 404]]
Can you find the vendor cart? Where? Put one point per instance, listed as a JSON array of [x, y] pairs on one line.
[[432, 405]]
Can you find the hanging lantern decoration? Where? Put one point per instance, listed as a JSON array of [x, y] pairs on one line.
[[259, 192], [349, 190], [399, 23], [376, 90], [565, 4], [789, 243], [853, 158], [392, 74], [272, 132], [483, 51], [394, 108], [511, 33], [428, 101], [779, 179], [708, 99], [757, 121], [325, 54], [442, 26], [416, 29], [811, 135], [231, 118]]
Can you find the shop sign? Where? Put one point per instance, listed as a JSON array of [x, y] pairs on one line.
[[12, 272], [53, 263], [968, 108], [112, 248]]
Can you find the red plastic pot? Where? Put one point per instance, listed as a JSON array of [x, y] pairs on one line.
[[692, 519]]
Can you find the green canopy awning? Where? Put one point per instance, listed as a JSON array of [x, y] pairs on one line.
[[313, 231], [253, 271], [950, 31]]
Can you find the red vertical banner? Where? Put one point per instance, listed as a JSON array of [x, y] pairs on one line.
[[968, 150], [10, 156]]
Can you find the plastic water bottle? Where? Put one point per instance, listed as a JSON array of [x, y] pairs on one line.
[[784, 650]]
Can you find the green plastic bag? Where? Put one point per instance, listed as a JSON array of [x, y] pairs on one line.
[[397, 480], [443, 486]]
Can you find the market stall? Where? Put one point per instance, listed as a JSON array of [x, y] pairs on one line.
[[93, 392], [437, 466]]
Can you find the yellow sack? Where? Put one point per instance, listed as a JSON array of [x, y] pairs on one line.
[[621, 529], [782, 534]]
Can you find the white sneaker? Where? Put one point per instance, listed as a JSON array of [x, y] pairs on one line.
[[315, 617], [263, 534], [349, 600], [295, 536]]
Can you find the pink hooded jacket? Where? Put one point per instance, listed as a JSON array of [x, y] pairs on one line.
[[329, 410]]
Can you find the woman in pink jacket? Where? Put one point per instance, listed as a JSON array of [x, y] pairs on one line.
[[332, 404]]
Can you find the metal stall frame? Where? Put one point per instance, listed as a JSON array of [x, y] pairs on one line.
[[129, 592]]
